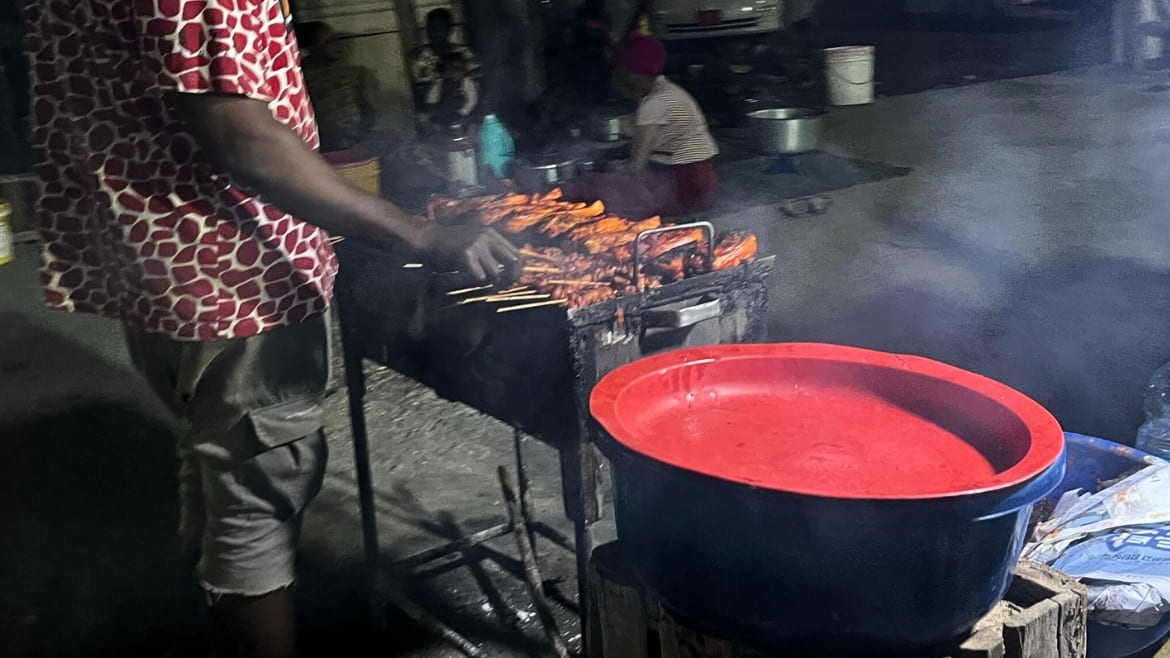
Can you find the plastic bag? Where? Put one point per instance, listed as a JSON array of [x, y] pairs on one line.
[[1116, 541]]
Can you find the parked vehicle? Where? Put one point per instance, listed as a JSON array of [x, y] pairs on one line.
[[699, 19]]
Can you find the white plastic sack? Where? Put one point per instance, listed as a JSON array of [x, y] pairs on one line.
[[1117, 542]]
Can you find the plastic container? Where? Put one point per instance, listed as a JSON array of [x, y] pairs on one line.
[[1156, 401], [849, 74], [358, 168], [496, 148], [462, 168], [1154, 437], [1091, 461], [893, 525]]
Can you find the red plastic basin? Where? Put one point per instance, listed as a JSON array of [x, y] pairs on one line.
[[828, 420], [823, 498]]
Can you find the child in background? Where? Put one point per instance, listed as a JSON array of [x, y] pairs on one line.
[[454, 95]]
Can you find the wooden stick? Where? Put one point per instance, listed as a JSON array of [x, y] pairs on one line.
[[429, 621], [464, 291], [334, 239], [503, 298], [542, 269], [536, 254], [531, 568], [412, 266], [513, 291], [521, 307], [517, 298]]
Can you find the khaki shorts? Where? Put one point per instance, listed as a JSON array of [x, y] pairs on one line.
[[252, 452]]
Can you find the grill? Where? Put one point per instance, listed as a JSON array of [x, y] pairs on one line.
[[531, 369]]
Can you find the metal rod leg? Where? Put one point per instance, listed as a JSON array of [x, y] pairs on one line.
[[586, 514], [356, 384]]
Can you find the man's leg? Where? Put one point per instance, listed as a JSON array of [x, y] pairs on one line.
[[249, 547], [258, 625], [253, 459]]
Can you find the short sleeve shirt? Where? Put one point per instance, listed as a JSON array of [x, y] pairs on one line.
[[683, 137], [424, 63], [135, 222]]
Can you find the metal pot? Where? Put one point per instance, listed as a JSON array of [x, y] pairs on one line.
[[611, 127], [551, 174], [786, 131]]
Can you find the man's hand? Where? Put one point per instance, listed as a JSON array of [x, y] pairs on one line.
[[477, 250]]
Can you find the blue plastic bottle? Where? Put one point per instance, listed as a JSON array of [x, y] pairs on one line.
[[496, 148], [1154, 435]]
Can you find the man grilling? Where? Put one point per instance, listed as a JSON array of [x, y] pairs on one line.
[[182, 195], [671, 169]]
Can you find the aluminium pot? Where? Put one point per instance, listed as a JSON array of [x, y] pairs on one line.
[[610, 126], [553, 173], [849, 534], [786, 130]]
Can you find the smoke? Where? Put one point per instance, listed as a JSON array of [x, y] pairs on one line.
[[1028, 245]]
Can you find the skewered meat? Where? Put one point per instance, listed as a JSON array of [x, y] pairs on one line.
[[660, 243], [614, 225], [522, 221], [562, 223], [592, 259], [734, 248]]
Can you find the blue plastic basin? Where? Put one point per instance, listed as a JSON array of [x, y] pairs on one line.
[[1089, 461]]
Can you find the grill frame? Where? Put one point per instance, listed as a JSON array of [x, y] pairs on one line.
[[541, 364]]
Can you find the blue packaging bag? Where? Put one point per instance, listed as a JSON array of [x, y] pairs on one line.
[[1117, 542]]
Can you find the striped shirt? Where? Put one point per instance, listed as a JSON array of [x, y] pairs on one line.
[[684, 137]]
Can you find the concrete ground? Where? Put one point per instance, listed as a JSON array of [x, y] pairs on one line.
[[1030, 244]]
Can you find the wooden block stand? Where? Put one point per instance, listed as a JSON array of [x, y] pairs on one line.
[[1042, 616]]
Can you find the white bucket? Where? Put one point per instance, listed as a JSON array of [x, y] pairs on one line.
[[849, 75]]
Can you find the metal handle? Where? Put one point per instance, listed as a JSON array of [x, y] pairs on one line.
[[683, 317], [707, 226]]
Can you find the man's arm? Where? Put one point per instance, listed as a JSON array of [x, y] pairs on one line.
[[241, 137]]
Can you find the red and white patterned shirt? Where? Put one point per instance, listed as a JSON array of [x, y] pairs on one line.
[[136, 224]]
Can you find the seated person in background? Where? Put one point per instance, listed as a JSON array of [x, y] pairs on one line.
[[454, 95], [339, 91], [671, 169], [426, 60]]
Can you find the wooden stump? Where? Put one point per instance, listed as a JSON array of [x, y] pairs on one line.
[[1043, 616]]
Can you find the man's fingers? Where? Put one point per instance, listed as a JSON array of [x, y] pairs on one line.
[[504, 252], [473, 265], [499, 242], [493, 267]]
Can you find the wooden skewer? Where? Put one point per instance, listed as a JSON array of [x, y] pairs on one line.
[[577, 282], [464, 291], [516, 298], [521, 307], [536, 254], [412, 266], [513, 291], [504, 298], [336, 238], [542, 270]]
